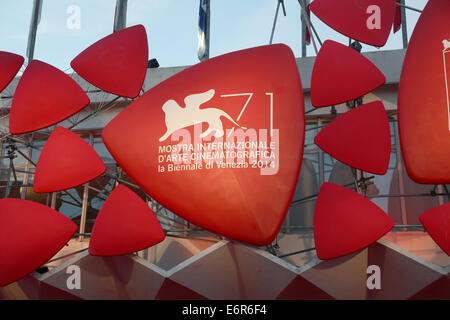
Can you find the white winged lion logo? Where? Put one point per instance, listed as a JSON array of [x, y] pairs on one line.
[[178, 117]]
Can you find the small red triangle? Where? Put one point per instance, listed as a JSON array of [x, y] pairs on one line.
[[116, 63], [66, 161], [30, 234], [44, 96], [333, 79], [125, 224], [354, 18], [437, 223], [360, 138], [345, 222], [10, 64]]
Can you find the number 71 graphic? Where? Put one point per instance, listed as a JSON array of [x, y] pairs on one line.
[[250, 95]]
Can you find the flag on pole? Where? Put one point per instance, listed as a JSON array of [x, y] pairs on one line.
[[308, 34], [398, 18], [203, 30]]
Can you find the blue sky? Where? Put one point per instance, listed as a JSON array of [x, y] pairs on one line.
[[171, 25]]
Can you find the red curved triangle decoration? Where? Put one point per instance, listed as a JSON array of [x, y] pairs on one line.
[[360, 138], [217, 180], [116, 63], [30, 234], [125, 224], [44, 96], [424, 97], [345, 222], [66, 161], [437, 223], [368, 21], [10, 64], [333, 79]]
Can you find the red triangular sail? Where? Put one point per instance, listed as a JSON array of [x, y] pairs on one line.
[[44, 96], [66, 161], [345, 222], [359, 138], [116, 63], [368, 21], [30, 234], [334, 79], [125, 224], [241, 99], [10, 64], [437, 223]]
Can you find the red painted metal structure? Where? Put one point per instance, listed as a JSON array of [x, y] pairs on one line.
[[334, 79], [44, 96], [125, 224], [66, 161]]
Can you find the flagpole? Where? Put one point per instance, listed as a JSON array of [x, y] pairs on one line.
[[120, 16], [35, 19], [304, 30], [404, 24], [309, 25], [204, 33], [274, 22], [207, 28]]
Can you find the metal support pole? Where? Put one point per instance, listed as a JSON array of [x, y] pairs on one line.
[[35, 19], [26, 176], [310, 27], [321, 162], [120, 17], [84, 206], [94, 113], [208, 28], [274, 22], [53, 203], [404, 24], [296, 252], [402, 4], [8, 184], [401, 186], [440, 190], [26, 157]]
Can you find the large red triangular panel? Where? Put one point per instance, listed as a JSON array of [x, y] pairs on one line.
[[125, 224], [359, 138], [44, 96], [66, 161], [345, 222], [424, 97], [368, 21], [10, 64], [30, 234], [249, 194], [116, 63], [437, 223], [334, 79]]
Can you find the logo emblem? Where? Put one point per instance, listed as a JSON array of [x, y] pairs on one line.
[[178, 117]]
